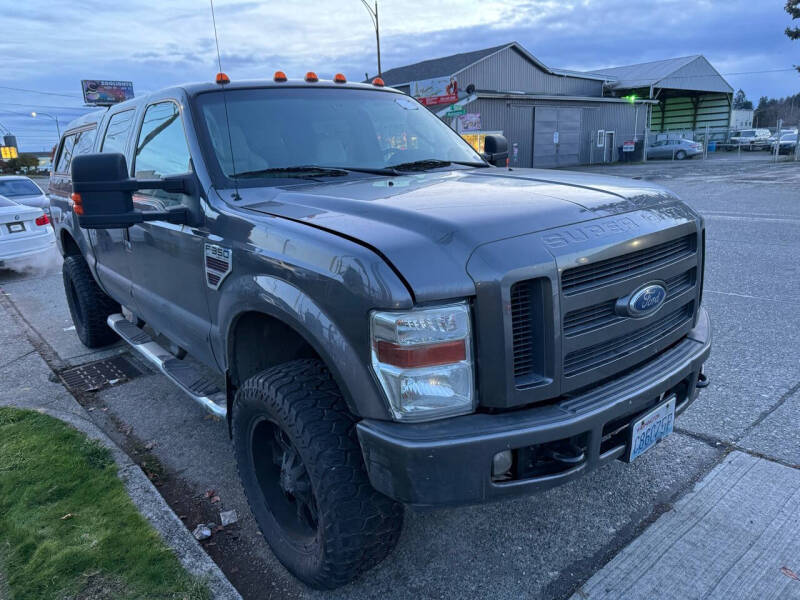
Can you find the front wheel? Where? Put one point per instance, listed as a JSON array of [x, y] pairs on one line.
[[303, 473]]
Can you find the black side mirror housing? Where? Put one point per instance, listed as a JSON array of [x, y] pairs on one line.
[[495, 150], [103, 193]]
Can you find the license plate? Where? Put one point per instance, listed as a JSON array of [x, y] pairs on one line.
[[651, 429], [15, 227]]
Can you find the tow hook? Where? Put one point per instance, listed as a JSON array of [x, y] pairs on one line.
[[565, 453], [702, 381]]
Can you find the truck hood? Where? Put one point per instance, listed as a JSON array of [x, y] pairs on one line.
[[428, 224]]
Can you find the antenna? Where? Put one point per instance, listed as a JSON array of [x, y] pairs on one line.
[[223, 80]]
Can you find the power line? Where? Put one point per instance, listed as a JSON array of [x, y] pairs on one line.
[[60, 107], [4, 87]]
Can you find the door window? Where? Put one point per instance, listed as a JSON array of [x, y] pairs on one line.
[[65, 156], [161, 151], [117, 132], [85, 142]]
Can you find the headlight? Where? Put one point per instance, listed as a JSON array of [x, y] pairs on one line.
[[423, 359]]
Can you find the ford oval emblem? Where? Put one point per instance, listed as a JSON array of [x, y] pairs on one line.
[[647, 300]]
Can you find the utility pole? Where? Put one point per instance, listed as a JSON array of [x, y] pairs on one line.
[[373, 14]]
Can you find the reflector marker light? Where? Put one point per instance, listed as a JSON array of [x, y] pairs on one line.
[[311, 77], [222, 79], [77, 203], [340, 78], [378, 82], [279, 76], [429, 355]]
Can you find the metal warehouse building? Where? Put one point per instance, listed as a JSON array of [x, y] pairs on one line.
[[555, 117], [691, 93], [551, 117]]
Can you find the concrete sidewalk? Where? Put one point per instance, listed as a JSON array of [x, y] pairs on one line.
[[736, 535], [28, 383]]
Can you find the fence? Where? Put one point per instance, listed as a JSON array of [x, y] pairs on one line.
[[775, 144]]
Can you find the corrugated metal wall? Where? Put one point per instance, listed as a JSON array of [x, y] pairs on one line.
[[515, 118], [508, 71], [678, 113]]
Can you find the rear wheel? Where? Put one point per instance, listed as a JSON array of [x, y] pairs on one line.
[[680, 155], [301, 467], [88, 304]]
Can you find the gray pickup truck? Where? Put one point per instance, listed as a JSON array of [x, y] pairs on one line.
[[384, 315]]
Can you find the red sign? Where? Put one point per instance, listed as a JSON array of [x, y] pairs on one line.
[[442, 90], [629, 146]]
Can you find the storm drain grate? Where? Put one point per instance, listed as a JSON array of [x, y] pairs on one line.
[[95, 376]]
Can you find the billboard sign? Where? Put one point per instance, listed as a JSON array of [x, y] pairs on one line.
[[102, 92], [441, 90], [8, 152]]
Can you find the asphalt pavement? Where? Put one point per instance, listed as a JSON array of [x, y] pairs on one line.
[[550, 545]]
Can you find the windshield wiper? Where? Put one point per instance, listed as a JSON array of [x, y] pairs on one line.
[[433, 163], [296, 171], [313, 171]]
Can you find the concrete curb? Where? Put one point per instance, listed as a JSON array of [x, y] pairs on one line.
[[140, 489]]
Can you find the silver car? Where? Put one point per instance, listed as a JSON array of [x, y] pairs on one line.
[[23, 190], [677, 149], [25, 231]]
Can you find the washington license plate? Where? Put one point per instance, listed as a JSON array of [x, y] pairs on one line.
[[651, 429]]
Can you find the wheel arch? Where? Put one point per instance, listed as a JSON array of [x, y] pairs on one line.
[[285, 324]]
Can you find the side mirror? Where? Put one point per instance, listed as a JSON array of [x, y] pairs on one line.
[[103, 193], [495, 150]]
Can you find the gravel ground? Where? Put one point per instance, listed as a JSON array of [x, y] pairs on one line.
[[544, 546]]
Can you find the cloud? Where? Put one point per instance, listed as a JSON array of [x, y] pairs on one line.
[[51, 46]]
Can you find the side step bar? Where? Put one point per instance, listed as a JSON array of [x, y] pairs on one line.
[[201, 389]]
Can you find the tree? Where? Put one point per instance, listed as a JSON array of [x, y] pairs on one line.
[[740, 101], [793, 8]]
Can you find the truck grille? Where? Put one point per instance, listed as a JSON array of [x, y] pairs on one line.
[[600, 354], [602, 314], [596, 342], [587, 277], [522, 328]]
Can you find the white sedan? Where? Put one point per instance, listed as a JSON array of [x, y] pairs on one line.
[[23, 190], [25, 232]]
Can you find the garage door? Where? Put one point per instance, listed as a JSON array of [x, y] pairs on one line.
[[556, 136]]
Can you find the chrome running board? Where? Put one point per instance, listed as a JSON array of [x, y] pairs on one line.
[[196, 385]]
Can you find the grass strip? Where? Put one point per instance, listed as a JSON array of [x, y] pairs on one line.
[[67, 526]]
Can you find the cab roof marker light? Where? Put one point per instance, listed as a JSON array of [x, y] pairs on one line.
[[279, 77], [378, 82], [339, 78], [222, 79], [311, 77]]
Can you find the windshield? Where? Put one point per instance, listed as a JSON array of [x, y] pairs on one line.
[[789, 137], [274, 129], [18, 187]]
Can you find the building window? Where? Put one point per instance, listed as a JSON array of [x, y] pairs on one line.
[[601, 138]]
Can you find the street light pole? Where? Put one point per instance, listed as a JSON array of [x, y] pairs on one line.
[[373, 14], [35, 114]]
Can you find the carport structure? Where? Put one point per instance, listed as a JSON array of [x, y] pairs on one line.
[[691, 93]]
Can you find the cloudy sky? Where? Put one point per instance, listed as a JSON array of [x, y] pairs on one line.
[[51, 46]]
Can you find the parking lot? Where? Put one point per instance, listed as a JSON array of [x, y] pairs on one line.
[[544, 546]]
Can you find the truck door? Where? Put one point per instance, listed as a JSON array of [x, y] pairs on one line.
[[167, 261], [111, 246]]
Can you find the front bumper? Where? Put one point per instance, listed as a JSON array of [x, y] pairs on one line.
[[449, 462]]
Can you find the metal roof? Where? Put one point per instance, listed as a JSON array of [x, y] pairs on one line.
[[685, 72], [450, 65]]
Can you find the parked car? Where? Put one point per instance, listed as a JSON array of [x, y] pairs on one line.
[[395, 323], [786, 145], [23, 190], [749, 139], [25, 231], [674, 148]]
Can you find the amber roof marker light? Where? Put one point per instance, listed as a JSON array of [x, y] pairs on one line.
[[378, 82], [279, 77], [311, 77], [223, 79], [339, 78]]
